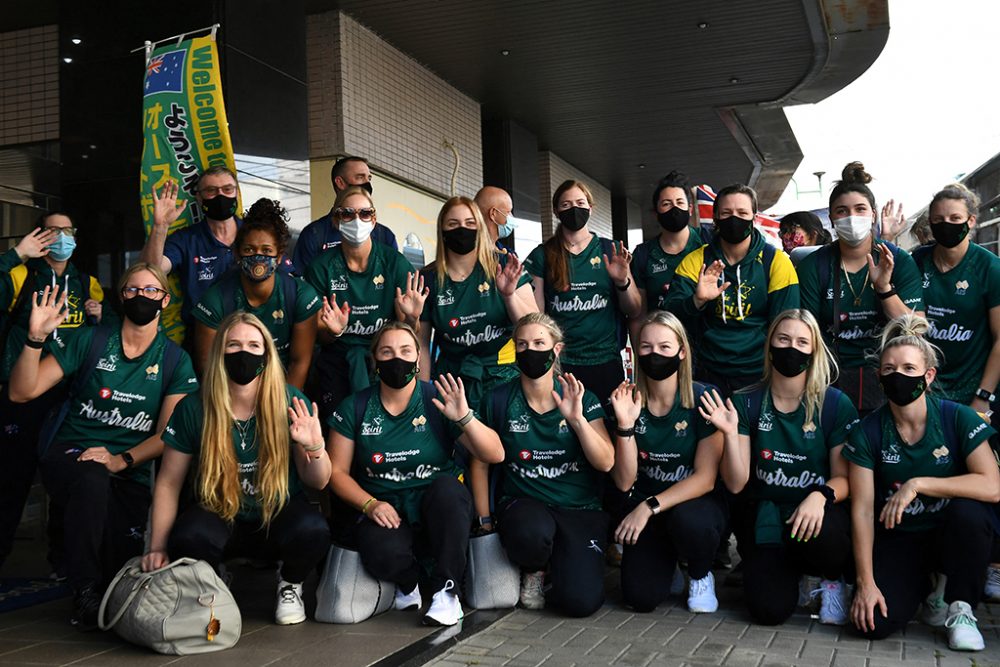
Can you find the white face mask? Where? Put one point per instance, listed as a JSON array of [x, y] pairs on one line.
[[853, 229], [356, 232]]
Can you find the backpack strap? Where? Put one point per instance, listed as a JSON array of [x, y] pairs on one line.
[[499, 397], [767, 259], [436, 421], [754, 400], [360, 403], [828, 413], [949, 414], [872, 428], [921, 254], [291, 292], [171, 357]]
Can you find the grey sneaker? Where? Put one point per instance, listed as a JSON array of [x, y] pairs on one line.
[[532, 591]]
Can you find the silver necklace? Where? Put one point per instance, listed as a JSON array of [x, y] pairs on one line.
[[244, 430]]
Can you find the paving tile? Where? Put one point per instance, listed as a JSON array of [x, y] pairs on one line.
[[58, 652]]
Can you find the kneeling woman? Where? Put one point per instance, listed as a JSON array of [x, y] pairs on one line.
[[549, 514], [669, 457], [254, 443], [393, 461], [921, 474], [783, 440]]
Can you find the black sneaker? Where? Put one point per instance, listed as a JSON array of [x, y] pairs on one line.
[[86, 604]]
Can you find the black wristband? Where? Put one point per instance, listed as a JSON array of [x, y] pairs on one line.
[[34, 344], [825, 490], [886, 295], [624, 288], [625, 432]]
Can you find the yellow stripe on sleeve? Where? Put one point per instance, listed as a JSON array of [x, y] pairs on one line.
[[782, 273], [691, 265]]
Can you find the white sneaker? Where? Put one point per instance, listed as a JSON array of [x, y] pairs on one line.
[[963, 633], [677, 584], [833, 602], [532, 592], [407, 601], [992, 588], [445, 609], [701, 595], [290, 609]]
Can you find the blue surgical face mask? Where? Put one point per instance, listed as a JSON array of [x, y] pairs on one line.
[[62, 248], [508, 227]]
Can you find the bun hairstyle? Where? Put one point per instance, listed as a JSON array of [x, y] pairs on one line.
[[958, 192], [266, 215], [909, 329], [853, 178], [674, 179]]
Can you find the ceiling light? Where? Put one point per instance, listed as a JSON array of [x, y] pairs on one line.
[[734, 80], [76, 41], [505, 52], [703, 24], [641, 165], [67, 60]]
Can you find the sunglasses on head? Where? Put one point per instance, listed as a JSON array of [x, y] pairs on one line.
[[346, 214]]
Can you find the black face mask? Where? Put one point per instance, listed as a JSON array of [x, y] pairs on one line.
[[902, 389], [674, 220], [396, 372], [367, 185], [948, 234], [659, 366], [574, 218], [243, 366], [535, 363], [789, 362], [734, 229], [460, 240], [219, 207], [141, 310]]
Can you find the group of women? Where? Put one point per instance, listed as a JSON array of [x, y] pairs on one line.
[[744, 417]]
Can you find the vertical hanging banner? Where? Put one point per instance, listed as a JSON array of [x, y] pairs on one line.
[[185, 131]]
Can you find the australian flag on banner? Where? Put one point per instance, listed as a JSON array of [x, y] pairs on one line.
[[165, 73]]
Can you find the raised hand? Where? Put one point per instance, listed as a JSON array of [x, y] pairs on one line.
[[508, 275], [721, 414], [626, 400], [570, 404], [881, 273], [332, 318], [36, 243], [452, 403], [166, 208], [48, 310], [411, 302], [709, 287], [893, 222], [305, 428], [618, 263]]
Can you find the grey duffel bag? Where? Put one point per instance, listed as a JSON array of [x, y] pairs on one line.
[[347, 593], [181, 609], [491, 580]]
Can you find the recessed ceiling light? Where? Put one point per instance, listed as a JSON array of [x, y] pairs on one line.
[[641, 165], [76, 41], [505, 52], [67, 60], [703, 24], [85, 156], [734, 80], [93, 146]]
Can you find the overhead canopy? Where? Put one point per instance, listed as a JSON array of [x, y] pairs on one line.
[[628, 90]]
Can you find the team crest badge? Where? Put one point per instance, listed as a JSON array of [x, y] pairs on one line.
[[595, 262], [379, 281], [151, 371], [419, 424], [961, 286]]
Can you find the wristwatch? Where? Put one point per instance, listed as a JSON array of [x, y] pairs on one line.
[[483, 520], [653, 504], [127, 458], [985, 395]]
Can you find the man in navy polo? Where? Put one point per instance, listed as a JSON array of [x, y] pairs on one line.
[[323, 234], [201, 253]]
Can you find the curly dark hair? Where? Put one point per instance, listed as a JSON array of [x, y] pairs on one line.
[[674, 179], [266, 215]]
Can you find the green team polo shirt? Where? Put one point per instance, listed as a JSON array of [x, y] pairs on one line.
[[183, 433], [587, 312], [227, 296], [657, 272], [787, 455], [860, 324], [543, 458], [898, 462], [958, 304], [667, 446], [472, 328], [119, 405], [371, 293], [395, 457]]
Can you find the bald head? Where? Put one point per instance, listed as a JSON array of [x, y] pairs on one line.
[[495, 205]]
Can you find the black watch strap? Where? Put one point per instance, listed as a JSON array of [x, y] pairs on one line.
[[985, 395], [129, 460]]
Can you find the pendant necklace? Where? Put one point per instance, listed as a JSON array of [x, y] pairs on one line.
[[857, 295], [244, 431]]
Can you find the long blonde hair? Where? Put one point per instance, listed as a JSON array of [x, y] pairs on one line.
[[822, 366], [218, 475], [685, 376], [486, 253], [547, 323]]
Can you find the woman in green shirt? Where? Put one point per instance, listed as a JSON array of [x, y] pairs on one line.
[[855, 284], [476, 295], [668, 457], [555, 446], [97, 465], [922, 474], [393, 464], [254, 443], [584, 283], [286, 305], [783, 439]]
